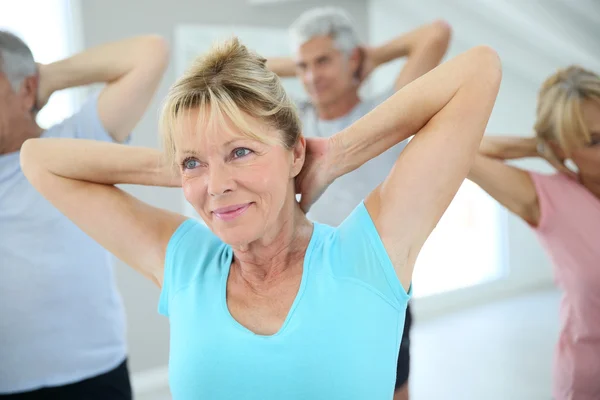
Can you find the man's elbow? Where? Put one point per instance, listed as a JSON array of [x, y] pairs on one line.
[[441, 34], [156, 52]]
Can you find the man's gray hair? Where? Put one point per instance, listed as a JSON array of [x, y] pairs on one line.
[[16, 59], [325, 21]]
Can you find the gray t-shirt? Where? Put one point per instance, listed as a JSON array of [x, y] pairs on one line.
[[346, 192]]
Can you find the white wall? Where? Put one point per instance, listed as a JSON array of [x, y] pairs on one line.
[[531, 48]]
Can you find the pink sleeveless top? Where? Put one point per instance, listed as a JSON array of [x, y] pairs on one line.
[[569, 230]]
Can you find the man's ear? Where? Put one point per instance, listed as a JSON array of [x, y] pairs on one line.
[[298, 154], [356, 61], [28, 93]]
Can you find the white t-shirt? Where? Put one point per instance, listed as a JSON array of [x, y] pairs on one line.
[[346, 192], [61, 317]]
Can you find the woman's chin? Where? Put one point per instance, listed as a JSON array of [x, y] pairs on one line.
[[239, 236]]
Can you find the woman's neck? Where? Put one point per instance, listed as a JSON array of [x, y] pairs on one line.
[[269, 259]]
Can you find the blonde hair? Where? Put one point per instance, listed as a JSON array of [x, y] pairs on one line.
[[230, 80], [559, 114]]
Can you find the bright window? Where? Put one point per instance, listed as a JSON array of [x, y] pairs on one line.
[[51, 34], [466, 247]]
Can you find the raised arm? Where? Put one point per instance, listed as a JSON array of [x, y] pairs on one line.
[[447, 110], [424, 48], [131, 68], [78, 177], [508, 147], [510, 186]]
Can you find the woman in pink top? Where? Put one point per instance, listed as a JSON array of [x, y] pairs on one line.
[[564, 211]]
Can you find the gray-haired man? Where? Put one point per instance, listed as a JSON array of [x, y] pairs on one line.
[[62, 324]]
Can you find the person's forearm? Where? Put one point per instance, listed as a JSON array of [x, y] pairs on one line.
[[104, 63], [508, 147], [408, 43], [98, 162], [474, 74], [284, 67]]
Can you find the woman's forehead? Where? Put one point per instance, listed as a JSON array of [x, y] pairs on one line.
[[209, 137], [201, 128]]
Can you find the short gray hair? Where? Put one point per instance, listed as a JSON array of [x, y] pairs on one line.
[[16, 59], [325, 21]]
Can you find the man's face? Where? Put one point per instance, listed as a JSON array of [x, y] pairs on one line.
[[15, 111], [326, 73]]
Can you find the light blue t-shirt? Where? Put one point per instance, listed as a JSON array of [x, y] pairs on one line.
[[340, 339], [61, 318], [346, 192]]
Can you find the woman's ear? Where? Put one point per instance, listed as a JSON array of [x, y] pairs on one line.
[[298, 154]]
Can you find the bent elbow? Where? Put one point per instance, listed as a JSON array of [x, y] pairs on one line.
[[437, 39], [487, 62], [441, 32], [30, 160], [157, 51], [27, 155]]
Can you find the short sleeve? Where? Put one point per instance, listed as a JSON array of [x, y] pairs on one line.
[[363, 256], [193, 253], [545, 187], [84, 124]]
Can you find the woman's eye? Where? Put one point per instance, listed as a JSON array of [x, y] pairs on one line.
[[240, 152], [190, 163]]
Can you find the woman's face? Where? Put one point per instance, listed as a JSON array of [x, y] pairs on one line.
[[242, 188], [587, 158]]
